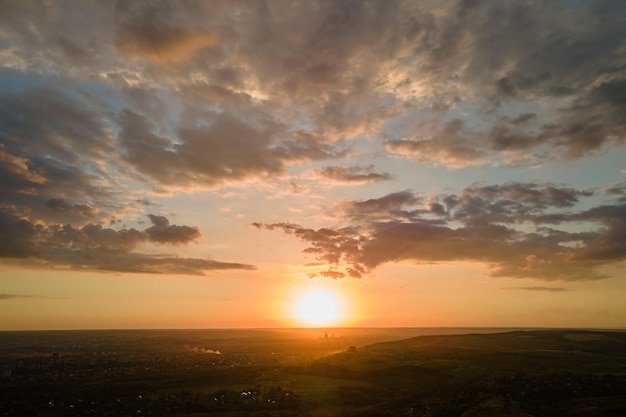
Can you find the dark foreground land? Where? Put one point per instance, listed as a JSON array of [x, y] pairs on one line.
[[341, 372]]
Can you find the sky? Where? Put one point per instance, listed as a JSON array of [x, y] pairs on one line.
[[207, 164]]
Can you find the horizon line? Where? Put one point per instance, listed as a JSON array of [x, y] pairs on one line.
[[173, 329]]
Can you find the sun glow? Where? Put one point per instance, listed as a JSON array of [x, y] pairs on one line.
[[318, 307]]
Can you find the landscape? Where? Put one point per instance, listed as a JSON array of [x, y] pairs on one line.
[[314, 372], [312, 208]]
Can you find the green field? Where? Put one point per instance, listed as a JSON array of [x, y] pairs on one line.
[[541, 373], [356, 372]]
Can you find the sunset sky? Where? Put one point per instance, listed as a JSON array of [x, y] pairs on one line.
[[205, 164]]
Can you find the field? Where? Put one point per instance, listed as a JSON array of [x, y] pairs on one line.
[[313, 372]]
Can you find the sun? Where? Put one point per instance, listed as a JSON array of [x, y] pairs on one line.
[[317, 307]]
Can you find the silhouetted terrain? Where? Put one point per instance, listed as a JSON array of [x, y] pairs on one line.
[[300, 372]]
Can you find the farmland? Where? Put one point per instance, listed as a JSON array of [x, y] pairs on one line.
[[313, 372]]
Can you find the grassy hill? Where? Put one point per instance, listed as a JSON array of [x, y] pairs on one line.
[[521, 373]]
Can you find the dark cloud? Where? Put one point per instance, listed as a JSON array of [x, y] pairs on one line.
[[162, 232], [618, 190], [484, 224], [609, 244], [328, 274], [57, 156], [535, 196], [595, 119], [345, 69], [59, 36], [328, 244], [97, 248], [60, 125], [91, 237], [225, 150], [103, 261], [14, 296], [17, 236], [25, 296], [353, 174], [526, 53], [159, 31], [65, 206], [16, 173], [391, 206], [454, 145], [61, 178], [145, 202], [540, 289]]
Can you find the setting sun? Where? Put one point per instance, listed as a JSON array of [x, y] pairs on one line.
[[317, 307]]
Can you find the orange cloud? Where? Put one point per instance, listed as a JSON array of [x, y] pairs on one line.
[[164, 45]]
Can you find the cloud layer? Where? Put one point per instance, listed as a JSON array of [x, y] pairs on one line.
[[512, 228], [96, 248], [264, 77], [105, 103]]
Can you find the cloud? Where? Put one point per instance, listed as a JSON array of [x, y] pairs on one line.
[[490, 55], [162, 232], [15, 296], [16, 169], [353, 174], [63, 205], [483, 224], [540, 289], [391, 206], [533, 75], [328, 243], [618, 190], [534, 196], [149, 30], [63, 177], [5, 296], [102, 100], [96, 248], [453, 145], [228, 149], [329, 273], [58, 157]]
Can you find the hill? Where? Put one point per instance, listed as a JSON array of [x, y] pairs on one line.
[[520, 373]]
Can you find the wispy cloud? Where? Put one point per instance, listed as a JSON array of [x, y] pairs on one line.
[[353, 174], [14, 296], [5, 296], [618, 190], [540, 289]]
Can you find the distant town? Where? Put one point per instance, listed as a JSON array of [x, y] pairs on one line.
[[310, 373]]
